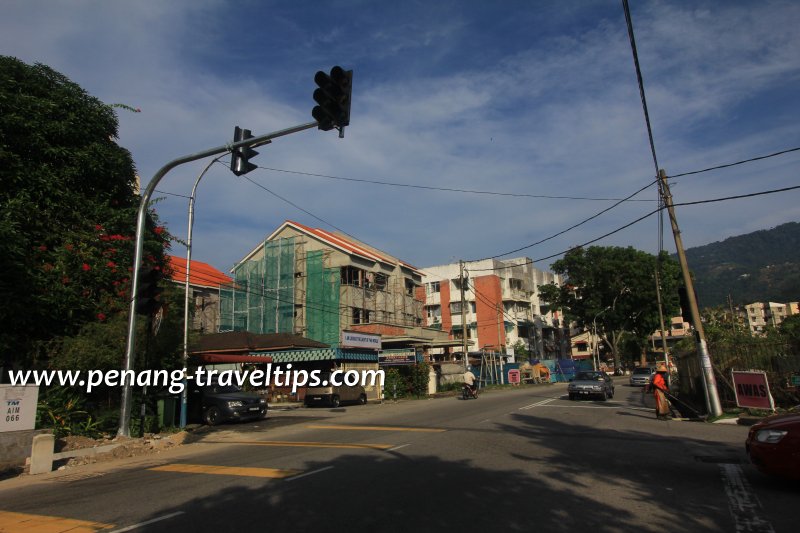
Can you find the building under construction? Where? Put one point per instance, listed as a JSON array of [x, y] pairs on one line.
[[316, 283]]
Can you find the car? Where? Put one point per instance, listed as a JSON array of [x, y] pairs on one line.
[[334, 395], [217, 403], [591, 384], [641, 376], [773, 445]]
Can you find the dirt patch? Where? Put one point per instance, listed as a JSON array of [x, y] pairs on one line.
[[125, 447]]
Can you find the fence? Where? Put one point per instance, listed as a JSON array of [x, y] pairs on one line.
[[780, 361]]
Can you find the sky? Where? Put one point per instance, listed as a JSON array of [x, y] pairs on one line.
[[535, 100]]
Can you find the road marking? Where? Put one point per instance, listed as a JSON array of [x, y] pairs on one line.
[[317, 471], [11, 522], [537, 404], [153, 521], [375, 428], [228, 470], [350, 445], [743, 503], [398, 447]]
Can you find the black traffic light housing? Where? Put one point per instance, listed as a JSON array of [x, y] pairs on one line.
[[240, 157], [148, 299], [333, 99]]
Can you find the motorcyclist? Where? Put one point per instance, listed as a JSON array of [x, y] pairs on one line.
[[469, 380]]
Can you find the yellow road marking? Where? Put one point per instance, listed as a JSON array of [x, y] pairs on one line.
[[30, 523], [376, 428], [228, 470], [304, 444]]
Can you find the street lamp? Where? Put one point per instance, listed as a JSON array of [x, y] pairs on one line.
[[184, 393]]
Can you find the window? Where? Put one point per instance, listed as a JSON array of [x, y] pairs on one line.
[[361, 316], [433, 311], [410, 285], [432, 288], [515, 284], [353, 276], [381, 281]]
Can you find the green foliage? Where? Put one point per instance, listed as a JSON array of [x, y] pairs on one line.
[[395, 384], [67, 212], [63, 410], [521, 353], [419, 376], [615, 289]]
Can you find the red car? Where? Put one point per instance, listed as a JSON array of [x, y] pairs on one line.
[[774, 445]]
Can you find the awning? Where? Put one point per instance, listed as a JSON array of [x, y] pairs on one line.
[[213, 358], [326, 354]]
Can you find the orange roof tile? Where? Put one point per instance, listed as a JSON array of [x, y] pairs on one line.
[[200, 274]]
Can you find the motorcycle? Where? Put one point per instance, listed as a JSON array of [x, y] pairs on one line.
[[468, 392]]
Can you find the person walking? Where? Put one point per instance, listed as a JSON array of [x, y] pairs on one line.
[[659, 387]]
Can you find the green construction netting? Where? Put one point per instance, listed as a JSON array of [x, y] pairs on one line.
[[322, 300]]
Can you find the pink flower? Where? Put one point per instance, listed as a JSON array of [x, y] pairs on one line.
[[111, 264], [101, 317], [86, 268]]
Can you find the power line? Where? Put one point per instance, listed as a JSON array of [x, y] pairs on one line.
[[566, 230], [444, 189], [697, 202], [759, 158]]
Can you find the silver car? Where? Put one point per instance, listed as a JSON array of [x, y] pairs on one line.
[[642, 375], [334, 395], [591, 384]]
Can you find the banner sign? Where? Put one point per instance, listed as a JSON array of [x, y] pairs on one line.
[[397, 358], [752, 390], [356, 339], [18, 406]]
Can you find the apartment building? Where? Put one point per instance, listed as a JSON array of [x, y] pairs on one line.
[[761, 315], [501, 306]]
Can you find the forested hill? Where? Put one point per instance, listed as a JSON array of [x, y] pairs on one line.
[[758, 267]]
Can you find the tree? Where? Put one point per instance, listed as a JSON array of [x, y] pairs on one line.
[[67, 212], [614, 289]]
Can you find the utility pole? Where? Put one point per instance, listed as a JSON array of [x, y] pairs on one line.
[[709, 381], [463, 314], [661, 319]]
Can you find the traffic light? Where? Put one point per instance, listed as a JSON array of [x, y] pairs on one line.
[[240, 157], [683, 298], [333, 97], [148, 299]]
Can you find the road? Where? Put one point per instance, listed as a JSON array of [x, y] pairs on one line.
[[515, 460]]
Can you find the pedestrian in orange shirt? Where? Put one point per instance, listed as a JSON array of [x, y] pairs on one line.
[[659, 386]]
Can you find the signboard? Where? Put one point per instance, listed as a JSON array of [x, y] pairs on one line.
[[18, 407], [752, 390], [397, 358], [513, 376], [356, 339]]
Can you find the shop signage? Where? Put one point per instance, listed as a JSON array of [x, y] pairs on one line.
[[356, 339], [397, 358]]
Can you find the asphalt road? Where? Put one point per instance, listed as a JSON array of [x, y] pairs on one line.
[[512, 460]]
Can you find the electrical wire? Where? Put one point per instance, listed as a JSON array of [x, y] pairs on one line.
[[727, 165], [445, 189], [566, 230]]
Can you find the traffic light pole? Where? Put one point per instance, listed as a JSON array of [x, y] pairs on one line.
[[130, 347], [709, 381]]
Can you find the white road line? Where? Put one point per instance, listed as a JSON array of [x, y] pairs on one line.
[[309, 473], [537, 404], [140, 524], [397, 447], [743, 503]]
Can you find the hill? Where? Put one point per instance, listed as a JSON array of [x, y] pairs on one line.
[[757, 267]]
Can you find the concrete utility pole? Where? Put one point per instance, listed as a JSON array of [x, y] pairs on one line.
[[463, 314], [709, 381]]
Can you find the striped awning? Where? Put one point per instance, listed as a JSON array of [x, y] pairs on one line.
[[322, 354]]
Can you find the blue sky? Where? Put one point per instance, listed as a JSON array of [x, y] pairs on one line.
[[537, 98]]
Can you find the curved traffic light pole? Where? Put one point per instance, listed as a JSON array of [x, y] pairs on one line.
[[130, 347]]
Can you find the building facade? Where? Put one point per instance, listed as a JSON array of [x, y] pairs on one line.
[[761, 315], [501, 306], [316, 283], [204, 287]]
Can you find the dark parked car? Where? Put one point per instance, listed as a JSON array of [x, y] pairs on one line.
[[774, 445], [595, 384], [215, 404]]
